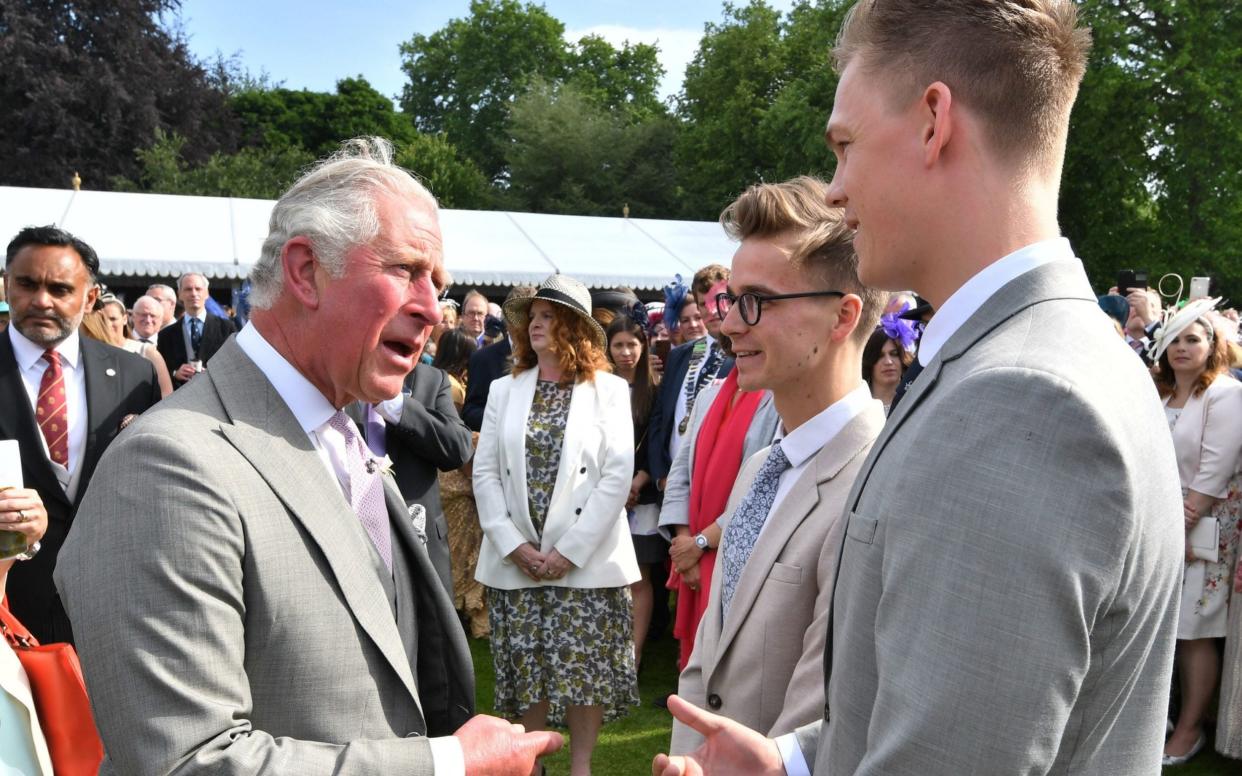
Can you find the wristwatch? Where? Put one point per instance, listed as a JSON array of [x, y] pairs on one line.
[[700, 541]]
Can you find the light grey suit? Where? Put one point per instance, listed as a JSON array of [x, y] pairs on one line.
[[1008, 587], [763, 666], [233, 616]]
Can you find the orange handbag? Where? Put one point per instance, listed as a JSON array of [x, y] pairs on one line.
[[60, 699]]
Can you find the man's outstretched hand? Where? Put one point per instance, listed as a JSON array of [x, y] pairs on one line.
[[495, 747], [729, 747]]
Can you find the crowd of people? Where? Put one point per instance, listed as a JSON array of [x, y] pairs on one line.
[[990, 528]]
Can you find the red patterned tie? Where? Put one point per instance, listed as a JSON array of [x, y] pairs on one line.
[[52, 411]]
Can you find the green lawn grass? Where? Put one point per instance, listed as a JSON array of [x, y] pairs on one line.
[[626, 746]]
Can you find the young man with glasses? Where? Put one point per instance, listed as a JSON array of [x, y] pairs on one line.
[[798, 318]]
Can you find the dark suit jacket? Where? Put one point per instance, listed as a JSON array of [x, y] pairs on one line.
[[660, 430], [118, 383], [171, 343], [486, 365], [430, 438]]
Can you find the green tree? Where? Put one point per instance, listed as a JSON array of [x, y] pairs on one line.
[[85, 83], [257, 173], [318, 121], [733, 78], [625, 79], [755, 101], [463, 77], [456, 182], [570, 155], [1153, 175]]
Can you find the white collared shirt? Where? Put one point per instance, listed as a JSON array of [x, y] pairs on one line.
[[975, 292], [190, 353], [312, 411], [804, 442], [31, 364]]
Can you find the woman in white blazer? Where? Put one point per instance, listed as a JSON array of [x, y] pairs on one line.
[[551, 477], [1203, 404]]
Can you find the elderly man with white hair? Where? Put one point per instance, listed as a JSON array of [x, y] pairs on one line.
[[189, 344], [147, 314], [274, 610]]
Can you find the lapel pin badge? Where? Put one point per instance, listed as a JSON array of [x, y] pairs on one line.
[[418, 517], [110, 372]]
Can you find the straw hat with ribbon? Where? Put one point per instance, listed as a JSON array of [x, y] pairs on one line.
[[1178, 322], [559, 290]]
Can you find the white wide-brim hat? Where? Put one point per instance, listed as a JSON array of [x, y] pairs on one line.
[[560, 290]]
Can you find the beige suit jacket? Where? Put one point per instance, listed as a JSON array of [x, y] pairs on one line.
[[764, 666]]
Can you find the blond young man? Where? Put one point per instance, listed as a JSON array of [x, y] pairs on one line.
[[797, 317], [1006, 599]]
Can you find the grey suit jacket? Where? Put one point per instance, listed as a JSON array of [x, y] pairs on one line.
[[763, 666], [1008, 589], [230, 616]]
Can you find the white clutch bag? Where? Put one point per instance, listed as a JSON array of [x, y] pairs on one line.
[[1204, 539]]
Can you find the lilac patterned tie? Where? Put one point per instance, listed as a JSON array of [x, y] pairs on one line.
[[743, 529], [366, 489]]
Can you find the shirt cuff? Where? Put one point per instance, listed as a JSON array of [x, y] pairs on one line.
[[447, 756], [791, 755], [390, 409]]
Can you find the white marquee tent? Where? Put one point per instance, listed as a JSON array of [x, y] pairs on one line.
[[161, 235]]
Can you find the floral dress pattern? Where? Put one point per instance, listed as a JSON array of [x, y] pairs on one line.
[[569, 646]]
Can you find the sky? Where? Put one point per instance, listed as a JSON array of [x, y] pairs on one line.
[[313, 43]]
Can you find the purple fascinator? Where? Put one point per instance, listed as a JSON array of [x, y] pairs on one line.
[[674, 297], [900, 331]]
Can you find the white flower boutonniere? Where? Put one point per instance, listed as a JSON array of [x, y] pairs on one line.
[[382, 465]]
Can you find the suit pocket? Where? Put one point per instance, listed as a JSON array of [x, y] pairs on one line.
[[786, 572], [860, 529]]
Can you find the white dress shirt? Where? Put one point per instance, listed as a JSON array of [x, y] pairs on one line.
[[31, 364], [804, 442], [950, 317], [312, 411], [975, 292], [190, 353]]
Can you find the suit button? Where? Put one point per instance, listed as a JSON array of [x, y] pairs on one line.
[[506, 470], [578, 511], [509, 513], [582, 470], [713, 702]]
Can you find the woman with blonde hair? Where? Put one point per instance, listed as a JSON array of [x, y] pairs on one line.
[[551, 478]]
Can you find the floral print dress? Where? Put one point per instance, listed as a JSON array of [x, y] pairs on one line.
[[569, 646]]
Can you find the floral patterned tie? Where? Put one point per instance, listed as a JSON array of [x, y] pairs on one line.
[[743, 530]]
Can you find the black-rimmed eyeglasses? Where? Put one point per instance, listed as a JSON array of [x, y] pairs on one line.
[[750, 304]]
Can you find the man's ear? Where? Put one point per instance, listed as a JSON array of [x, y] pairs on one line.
[[92, 295], [849, 312], [298, 265], [937, 129]]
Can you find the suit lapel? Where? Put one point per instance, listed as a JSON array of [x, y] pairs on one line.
[[17, 421], [797, 507], [1042, 284], [516, 413], [103, 396], [266, 433]]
